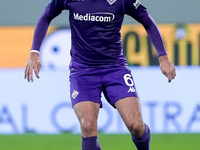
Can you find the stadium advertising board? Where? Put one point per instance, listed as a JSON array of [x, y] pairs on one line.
[[182, 43], [44, 106], [15, 43]]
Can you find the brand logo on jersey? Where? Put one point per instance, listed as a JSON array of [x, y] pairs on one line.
[[98, 17], [131, 89], [111, 1], [75, 94], [136, 4]]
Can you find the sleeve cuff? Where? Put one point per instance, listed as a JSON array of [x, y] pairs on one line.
[[36, 51]]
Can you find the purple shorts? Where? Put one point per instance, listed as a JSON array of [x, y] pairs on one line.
[[88, 84]]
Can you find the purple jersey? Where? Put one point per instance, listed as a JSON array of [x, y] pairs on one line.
[[95, 29]]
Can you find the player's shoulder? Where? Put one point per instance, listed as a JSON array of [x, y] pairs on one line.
[[135, 3], [58, 1], [134, 6], [61, 4]]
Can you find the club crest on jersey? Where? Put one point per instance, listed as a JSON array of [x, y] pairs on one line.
[[111, 1], [136, 4], [75, 94]]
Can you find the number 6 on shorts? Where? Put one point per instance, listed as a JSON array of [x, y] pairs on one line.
[[128, 80]]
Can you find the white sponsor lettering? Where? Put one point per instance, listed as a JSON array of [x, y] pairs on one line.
[[98, 17]]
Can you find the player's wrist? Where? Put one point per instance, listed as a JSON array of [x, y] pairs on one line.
[[163, 58], [35, 51]]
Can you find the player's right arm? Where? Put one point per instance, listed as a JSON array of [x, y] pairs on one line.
[[53, 9]]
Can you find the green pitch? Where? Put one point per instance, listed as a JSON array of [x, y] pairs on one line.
[[108, 142]]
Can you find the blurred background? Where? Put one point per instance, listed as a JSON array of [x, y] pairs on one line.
[[43, 107]]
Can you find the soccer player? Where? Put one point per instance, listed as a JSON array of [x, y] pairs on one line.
[[98, 65]]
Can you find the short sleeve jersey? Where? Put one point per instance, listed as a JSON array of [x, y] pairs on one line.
[[95, 29]]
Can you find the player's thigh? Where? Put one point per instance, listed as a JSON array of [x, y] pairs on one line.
[[87, 112], [130, 111]]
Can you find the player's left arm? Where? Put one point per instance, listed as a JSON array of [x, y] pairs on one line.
[[166, 66], [135, 9]]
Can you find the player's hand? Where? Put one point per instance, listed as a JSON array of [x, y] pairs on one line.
[[167, 67], [34, 63]]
